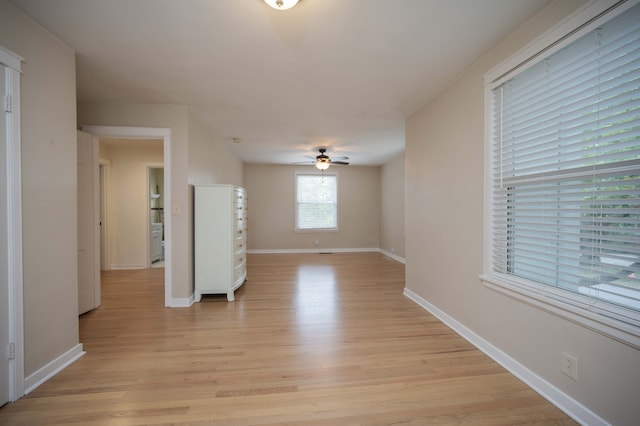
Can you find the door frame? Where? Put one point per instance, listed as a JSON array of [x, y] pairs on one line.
[[124, 132], [11, 80], [148, 167], [94, 162], [105, 253]]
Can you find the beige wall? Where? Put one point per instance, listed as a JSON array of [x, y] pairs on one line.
[[210, 161], [270, 191], [392, 232], [444, 213], [49, 188], [128, 207]]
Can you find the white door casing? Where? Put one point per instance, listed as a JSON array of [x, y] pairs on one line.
[[88, 223], [150, 133], [11, 310], [149, 167], [105, 258], [4, 250]]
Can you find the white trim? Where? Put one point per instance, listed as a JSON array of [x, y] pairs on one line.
[[564, 402], [568, 30], [118, 266], [148, 167], [105, 169], [328, 250], [317, 231], [54, 367], [151, 133], [565, 305], [95, 163], [11, 81], [392, 255], [314, 250], [182, 302], [487, 249], [11, 59]]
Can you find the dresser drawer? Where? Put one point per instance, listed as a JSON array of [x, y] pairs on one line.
[[239, 271], [239, 258]]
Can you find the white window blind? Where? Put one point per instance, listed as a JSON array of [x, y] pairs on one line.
[[565, 171], [316, 201]]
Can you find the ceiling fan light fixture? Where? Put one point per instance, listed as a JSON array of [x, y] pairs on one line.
[[281, 4], [322, 164]]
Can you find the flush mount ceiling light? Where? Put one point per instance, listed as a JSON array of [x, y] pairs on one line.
[[281, 4]]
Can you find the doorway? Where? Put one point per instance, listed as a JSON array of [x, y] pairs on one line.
[[164, 134]]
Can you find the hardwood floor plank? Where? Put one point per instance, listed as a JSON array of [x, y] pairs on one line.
[[311, 339]]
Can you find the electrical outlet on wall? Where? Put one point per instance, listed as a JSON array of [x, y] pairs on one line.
[[569, 366]]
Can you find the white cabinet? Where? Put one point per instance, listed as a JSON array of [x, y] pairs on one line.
[[220, 240]]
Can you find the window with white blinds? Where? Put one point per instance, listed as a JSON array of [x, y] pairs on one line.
[[316, 202], [565, 172]]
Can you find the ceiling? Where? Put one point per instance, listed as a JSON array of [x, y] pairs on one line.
[[327, 73]]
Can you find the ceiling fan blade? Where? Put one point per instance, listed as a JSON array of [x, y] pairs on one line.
[[341, 163], [308, 156], [304, 162], [339, 158]]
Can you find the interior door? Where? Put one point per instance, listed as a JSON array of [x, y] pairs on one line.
[[4, 264], [88, 223]]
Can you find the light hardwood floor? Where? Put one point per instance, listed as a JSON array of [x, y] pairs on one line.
[[311, 339]]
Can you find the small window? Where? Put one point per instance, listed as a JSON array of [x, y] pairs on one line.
[[316, 202]]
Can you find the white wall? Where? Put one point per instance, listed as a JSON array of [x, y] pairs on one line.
[[48, 188], [444, 220], [392, 232], [271, 202], [128, 208]]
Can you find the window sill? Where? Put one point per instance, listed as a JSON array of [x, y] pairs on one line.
[[316, 230], [597, 316]]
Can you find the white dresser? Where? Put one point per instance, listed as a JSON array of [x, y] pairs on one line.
[[220, 240]]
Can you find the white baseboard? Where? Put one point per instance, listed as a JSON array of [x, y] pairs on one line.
[[392, 255], [182, 302], [327, 250], [117, 266], [51, 369], [564, 402], [313, 250]]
